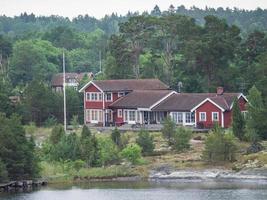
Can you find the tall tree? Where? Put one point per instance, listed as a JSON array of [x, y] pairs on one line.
[[238, 121]]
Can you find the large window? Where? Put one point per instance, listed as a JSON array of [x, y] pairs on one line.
[[109, 96], [132, 115], [202, 116], [177, 117], [94, 115], [93, 96], [215, 116], [189, 117], [119, 113]]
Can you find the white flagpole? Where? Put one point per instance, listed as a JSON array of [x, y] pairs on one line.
[[64, 93]]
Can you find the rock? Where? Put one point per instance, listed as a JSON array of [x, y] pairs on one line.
[[254, 148], [198, 138]]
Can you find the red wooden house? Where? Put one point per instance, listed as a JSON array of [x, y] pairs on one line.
[[149, 101], [99, 95]]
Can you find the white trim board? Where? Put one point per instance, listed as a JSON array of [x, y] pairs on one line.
[[204, 101], [162, 99], [240, 95], [89, 83]]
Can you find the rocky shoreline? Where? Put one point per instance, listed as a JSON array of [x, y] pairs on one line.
[[210, 174], [23, 185]]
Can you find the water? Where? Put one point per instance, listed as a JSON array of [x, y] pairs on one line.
[[147, 191]]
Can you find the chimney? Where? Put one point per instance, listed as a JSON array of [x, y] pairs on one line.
[[219, 90]]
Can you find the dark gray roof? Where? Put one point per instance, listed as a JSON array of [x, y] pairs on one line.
[[187, 101], [131, 84], [140, 99]]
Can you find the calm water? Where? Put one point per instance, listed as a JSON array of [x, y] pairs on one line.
[[147, 191]]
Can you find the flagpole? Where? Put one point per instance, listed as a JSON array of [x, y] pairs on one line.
[[64, 92]]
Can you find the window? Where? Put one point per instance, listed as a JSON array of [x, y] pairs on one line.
[[120, 113], [215, 116], [192, 117], [125, 116], [109, 96], [180, 118], [121, 94], [202, 116], [177, 117], [100, 96], [87, 115], [131, 115], [100, 118], [93, 96], [245, 114], [94, 116], [188, 117]]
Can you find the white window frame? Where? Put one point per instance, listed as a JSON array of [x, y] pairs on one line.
[[200, 116], [121, 94], [119, 113], [212, 116], [93, 96], [111, 97]]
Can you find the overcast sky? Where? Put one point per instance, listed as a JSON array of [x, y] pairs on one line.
[[98, 8]]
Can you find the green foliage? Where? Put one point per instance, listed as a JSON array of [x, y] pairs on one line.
[[50, 121], [182, 137], [108, 151], [56, 134], [220, 146], [238, 121], [145, 141], [116, 136], [74, 122], [78, 164], [168, 130], [132, 153], [256, 118], [3, 172], [86, 133], [16, 151], [30, 129], [33, 59]]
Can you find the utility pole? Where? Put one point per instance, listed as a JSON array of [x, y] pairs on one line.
[[64, 93]]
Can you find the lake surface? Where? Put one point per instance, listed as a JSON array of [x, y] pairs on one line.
[[147, 191]]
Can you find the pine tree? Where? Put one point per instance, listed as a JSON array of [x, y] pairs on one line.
[[116, 136], [168, 129], [238, 121]]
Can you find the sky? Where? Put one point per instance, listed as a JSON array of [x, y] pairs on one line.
[[99, 8]]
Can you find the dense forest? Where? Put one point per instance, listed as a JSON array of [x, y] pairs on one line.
[[202, 49]]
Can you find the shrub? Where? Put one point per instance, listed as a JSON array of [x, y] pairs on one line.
[[56, 134], [86, 133], [220, 146], [75, 122], [108, 151], [116, 136], [182, 137], [31, 128], [168, 130], [78, 164], [132, 153], [145, 141], [3, 172], [50, 121]]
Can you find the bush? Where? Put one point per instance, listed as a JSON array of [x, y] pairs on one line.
[[75, 122], [30, 129], [132, 153], [182, 137], [145, 140], [3, 172], [220, 146], [78, 164], [168, 130], [108, 151], [51, 121], [56, 134], [116, 137]]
